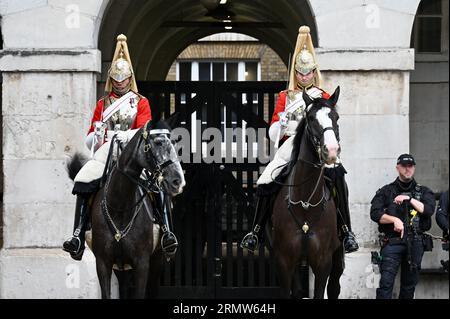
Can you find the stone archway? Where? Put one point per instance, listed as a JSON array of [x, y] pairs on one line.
[[154, 45]]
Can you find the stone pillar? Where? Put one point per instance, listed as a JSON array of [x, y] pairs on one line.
[[48, 96]]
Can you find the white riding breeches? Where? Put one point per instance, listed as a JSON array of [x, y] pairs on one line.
[[282, 156], [94, 168]]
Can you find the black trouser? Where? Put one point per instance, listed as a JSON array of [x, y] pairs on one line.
[[336, 180], [394, 256]]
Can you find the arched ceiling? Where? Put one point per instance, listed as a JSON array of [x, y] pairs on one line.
[[157, 32]]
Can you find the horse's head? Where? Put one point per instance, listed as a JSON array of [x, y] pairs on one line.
[[159, 157], [322, 127]]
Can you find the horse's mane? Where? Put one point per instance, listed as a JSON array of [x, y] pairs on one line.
[[296, 143]]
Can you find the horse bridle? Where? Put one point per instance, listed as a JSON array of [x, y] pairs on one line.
[[316, 142], [155, 180], [157, 168]]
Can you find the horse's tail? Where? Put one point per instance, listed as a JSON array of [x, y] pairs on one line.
[[75, 163]]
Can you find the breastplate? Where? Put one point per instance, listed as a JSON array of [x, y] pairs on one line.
[[124, 118]]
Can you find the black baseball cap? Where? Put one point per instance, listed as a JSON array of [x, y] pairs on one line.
[[406, 159]]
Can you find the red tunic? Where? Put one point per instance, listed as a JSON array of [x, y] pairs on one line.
[[281, 104], [142, 116]]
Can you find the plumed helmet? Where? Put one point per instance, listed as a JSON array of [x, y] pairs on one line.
[[121, 67], [304, 62], [120, 70], [304, 58]]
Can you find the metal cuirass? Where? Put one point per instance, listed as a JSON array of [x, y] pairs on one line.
[[123, 119]]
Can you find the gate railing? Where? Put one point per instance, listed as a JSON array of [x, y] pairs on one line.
[[216, 208]]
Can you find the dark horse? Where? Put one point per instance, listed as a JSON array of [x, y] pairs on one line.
[[304, 214], [124, 232]]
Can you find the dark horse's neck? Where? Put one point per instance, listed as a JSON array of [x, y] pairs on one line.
[[308, 173], [121, 188]]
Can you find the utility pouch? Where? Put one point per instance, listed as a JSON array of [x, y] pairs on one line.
[[427, 242]]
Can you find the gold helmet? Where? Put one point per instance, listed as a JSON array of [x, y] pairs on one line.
[[304, 58], [120, 70], [121, 67], [304, 62]]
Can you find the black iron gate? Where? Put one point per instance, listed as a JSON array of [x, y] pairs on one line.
[[216, 208]]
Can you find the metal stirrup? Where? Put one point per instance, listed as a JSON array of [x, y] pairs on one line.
[[171, 249], [250, 235]]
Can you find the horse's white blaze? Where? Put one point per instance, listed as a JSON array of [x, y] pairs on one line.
[[179, 169], [324, 120]]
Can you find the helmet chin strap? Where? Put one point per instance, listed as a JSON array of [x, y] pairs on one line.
[[123, 91], [305, 86]]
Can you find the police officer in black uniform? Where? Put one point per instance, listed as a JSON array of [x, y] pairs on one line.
[[403, 211], [442, 214], [442, 221]]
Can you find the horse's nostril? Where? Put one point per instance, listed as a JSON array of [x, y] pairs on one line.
[[176, 182]]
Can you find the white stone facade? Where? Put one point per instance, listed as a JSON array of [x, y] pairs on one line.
[[50, 63]]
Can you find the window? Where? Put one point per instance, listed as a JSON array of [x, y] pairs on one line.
[[204, 71], [427, 31], [232, 71], [218, 71], [184, 71], [251, 71]]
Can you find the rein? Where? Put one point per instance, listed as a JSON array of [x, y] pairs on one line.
[[307, 204], [152, 184], [321, 165]]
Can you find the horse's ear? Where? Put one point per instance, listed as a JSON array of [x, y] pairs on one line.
[[335, 97], [156, 115], [173, 120], [308, 100]]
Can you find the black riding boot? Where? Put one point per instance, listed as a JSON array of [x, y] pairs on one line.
[[75, 245], [169, 242], [340, 197], [251, 240]]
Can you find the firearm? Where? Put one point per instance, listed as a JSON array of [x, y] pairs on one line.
[[410, 231], [376, 261]]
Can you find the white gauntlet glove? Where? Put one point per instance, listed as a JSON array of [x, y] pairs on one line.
[[125, 136], [122, 137], [291, 128], [284, 120]]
